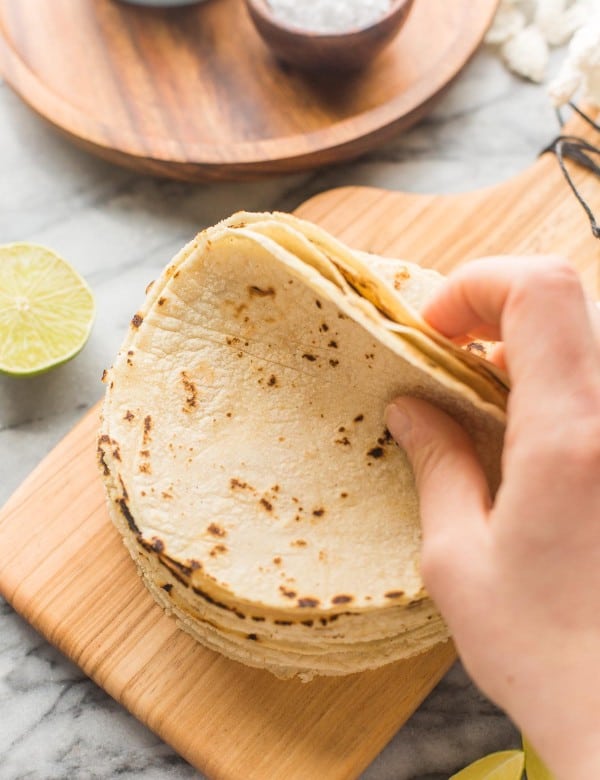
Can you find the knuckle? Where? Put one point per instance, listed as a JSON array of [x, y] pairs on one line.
[[551, 273]]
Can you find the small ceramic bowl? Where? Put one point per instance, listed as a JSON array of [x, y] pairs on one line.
[[347, 50], [162, 3]]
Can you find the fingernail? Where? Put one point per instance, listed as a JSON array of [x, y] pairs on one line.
[[398, 421]]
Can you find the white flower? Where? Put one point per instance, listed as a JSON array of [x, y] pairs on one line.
[[507, 22], [581, 67], [526, 53]]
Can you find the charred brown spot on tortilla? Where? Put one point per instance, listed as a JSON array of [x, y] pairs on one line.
[[369, 356], [147, 429], [258, 618], [359, 418], [324, 327], [477, 348], [195, 565], [344, 440], [385, 438], [216, 530], [253, 637], [145, 453], [123, 488], [376, 452], [191, 392], [277, 560], [289, 594], [102, 462], [298, 543], [267, 504], [308, 601], [104, 375], [400, 278], [167, 587], [309, 356], [272, 380], [283, 622], [215, 603], [145, 467], [333, 344], [319, 512], [127, 515], [342, 599], [166, 562], [275, 488], [333, 362], [344, 495], [394, 594], [157, 544], [238, 484], [318, 304], [259, 292], [116, 454], [218, 549], [137, 320], [129, 416], [161, 301]]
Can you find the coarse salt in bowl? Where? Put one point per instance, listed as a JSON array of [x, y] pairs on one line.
[[328, 34]]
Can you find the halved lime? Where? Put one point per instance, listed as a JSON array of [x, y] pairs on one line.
[[505, 765], [46, 310]]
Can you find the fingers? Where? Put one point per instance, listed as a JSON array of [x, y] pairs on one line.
[[453, 492], [536, 305]]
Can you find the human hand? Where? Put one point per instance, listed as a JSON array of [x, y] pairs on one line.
[[518, 578]]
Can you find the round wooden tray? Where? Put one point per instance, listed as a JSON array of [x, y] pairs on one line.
[[193, 93]]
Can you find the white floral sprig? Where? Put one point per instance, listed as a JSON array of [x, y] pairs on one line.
[[526, 30]]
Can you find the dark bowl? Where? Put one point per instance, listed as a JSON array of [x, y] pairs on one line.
[[348, 50]]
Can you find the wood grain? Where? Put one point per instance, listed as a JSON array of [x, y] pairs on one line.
[[193, 93], [63, 567]]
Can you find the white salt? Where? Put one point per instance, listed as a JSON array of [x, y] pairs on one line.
[[329, 16]]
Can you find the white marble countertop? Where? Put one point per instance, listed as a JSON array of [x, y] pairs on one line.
[[119, 229]]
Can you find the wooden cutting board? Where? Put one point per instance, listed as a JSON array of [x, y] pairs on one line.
[[193, 93], [63, 567]]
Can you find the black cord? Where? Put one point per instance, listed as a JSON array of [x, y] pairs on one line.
[[570, 147]]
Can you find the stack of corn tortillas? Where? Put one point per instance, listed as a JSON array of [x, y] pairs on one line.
[[244, 451]]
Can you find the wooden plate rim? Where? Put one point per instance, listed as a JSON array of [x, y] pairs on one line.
[[338, 139]]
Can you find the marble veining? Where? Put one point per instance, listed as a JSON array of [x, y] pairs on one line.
[[119, 230]]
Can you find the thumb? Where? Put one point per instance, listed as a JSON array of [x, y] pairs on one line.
[[453, 492]]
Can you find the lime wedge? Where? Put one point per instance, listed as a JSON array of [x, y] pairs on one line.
[[505, 765], [46, 310], [536, 769]]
